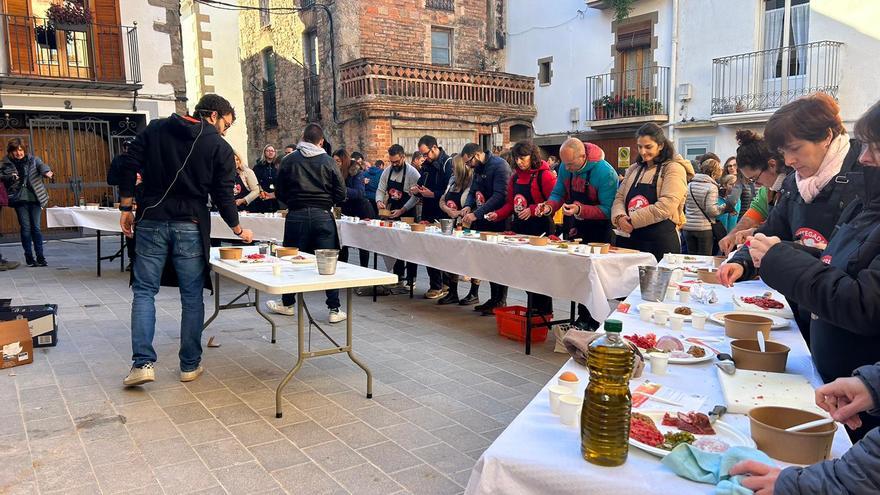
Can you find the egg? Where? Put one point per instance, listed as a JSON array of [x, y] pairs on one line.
[[568, 376]]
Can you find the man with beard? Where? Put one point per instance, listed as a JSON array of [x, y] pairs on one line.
[[393, 193], [436, 172]]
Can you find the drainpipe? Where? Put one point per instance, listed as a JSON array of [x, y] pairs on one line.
[[673, 71]]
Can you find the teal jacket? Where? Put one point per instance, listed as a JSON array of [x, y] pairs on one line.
[[599, 181]]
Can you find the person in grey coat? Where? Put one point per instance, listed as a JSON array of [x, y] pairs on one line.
[[856, 472], [23, 176]]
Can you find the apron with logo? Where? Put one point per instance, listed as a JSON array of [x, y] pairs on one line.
[[589, 230], [522, 199], [658, 238], [397, 196]]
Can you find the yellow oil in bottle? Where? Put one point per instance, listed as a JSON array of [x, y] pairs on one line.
[[607, 401]]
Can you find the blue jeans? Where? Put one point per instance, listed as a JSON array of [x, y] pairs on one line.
[[309, 229], [156, 241], [29, 220]]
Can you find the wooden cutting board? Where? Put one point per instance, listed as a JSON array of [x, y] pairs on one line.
[[747, 389]]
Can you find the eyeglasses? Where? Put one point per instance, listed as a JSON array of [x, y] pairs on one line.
[[751, 180], [227, 124]]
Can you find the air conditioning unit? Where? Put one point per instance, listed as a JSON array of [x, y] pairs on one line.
[[684, 91], [574, 114]]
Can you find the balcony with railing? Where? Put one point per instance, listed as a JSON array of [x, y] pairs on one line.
[[768, 79], [365, 80], [628, 97], [87, 56]]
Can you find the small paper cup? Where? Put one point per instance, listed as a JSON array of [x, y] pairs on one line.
[[646, 312], [698, 321], [660, 316], [671, 293], [676, 322], [556, 392], [684, 296], [569, 409], [659, 362]]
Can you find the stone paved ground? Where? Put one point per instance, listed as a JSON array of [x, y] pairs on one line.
[[445, 385]]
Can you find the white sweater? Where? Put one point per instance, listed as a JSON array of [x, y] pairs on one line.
[[703, 190]]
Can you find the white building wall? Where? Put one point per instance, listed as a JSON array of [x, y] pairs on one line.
[[154, 51]]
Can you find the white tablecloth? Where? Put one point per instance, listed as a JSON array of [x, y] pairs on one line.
[[537, 454], [591, 281], [107, 220]]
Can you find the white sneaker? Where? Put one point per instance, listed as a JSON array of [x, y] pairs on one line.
[[337, 315], [188, 376], [140, 376], [277, 307]]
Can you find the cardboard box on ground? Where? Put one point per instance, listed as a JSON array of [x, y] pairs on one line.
[[16, 344], [41, 321]]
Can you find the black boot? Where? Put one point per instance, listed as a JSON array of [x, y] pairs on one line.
[[472, 297], [450, 298], [29, 260], [493, 291], [41, 261]]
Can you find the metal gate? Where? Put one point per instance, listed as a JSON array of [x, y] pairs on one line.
[[79, 152]]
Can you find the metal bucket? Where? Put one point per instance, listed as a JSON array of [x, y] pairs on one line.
[[653, 281], [326, 259], [446, 225]]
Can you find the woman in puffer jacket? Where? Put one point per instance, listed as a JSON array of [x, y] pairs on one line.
[[840, 287], [701, 208]]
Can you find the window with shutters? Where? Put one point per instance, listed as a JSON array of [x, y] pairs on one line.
[[633, 45], [441, 46]]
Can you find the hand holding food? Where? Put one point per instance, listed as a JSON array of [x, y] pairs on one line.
[[759, 478], [844, 399], [570, 209], [396, 213], [524, 214], [625, 224], [729, 273], [380, 204], [491, 216], [543, 209], [759, 244], [469, 218]]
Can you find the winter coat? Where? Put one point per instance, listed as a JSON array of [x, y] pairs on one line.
[[435, 176], [856, 472], [603, 179], [702, 193], [490, 181], [840, 288], [33, 171], [309, 178], [542, 186], [671, 193], [373, 174]]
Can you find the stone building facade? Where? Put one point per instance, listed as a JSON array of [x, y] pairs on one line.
[[403, 68]]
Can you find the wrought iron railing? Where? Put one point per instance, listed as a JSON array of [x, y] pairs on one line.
[[365, 78], [769, 79], [312, 92], [447, 5], [39, 48], [630, 93]]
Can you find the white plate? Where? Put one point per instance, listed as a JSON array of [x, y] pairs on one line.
[[723, 431], [298, 261], [671, 309], [691, 360], [785, 312], [778, 321]]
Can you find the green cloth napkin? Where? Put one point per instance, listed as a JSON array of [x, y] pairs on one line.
[[694, 464]]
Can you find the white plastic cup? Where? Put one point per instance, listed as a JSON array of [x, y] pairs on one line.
[[569, 409], [571, 248], [556, 392], [660, 316], [676, 322], [659, 362], [671, 293], [276, 269], [684, 296], [698, 321], [646, 314]]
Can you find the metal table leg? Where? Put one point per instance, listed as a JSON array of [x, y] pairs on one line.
[[216, 301], [375, 264], [98, 253], [264, 315], [571, 313], [351, 355], [300, 338], [528, 322], [122, 253]]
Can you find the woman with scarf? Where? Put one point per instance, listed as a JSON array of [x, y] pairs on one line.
[[247, 187], [356, 203], [266, 171], [765, 168], [649, 205], [811, 137], [23, 176], [840, 286], [530, 185]]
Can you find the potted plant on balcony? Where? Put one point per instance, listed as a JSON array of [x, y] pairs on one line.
[[69, 16], [601, 107], [45, 36]]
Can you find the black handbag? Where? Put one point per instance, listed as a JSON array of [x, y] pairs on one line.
[[718, 230]]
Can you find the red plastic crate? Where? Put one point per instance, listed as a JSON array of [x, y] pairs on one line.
[[511, 321]]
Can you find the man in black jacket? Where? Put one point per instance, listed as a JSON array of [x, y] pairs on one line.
[[436, 171], [310, 184], [181, 159], [488, 193]]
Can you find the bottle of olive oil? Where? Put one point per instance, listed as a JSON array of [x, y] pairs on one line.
[[607, 401]]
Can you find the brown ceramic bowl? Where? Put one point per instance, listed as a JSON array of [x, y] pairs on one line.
[[746, 327], [539, 241], [230, 253], [709, 276], [286, 251], [768, 424], [719, 260], [603, 245], [748, 356], [408, 219], [418, 227]]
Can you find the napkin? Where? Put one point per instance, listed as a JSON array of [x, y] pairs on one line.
[[577, 342], [694, 464]]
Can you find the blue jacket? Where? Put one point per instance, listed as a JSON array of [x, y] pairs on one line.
[[603, 182], [491, 180], [374, 174], [435, 176]]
